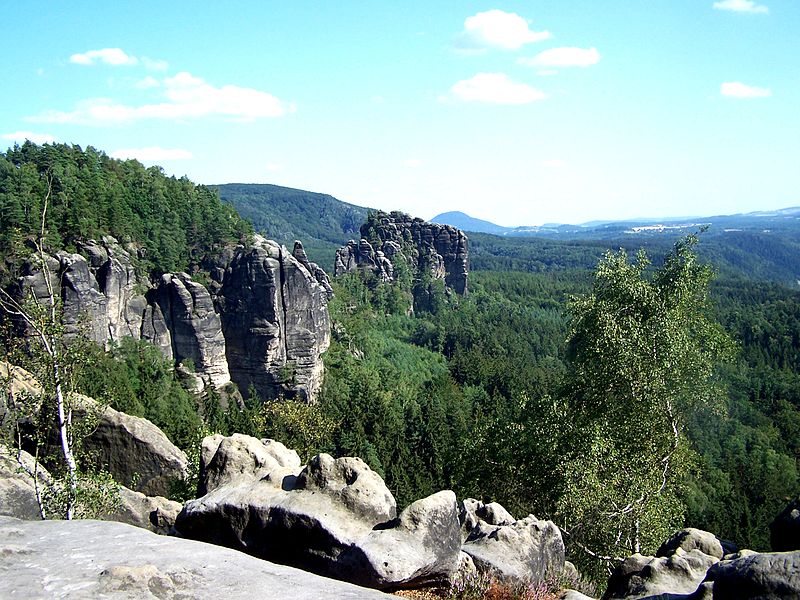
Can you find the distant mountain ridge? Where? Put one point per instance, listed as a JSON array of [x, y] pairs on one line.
[[782, 219], [283, 214]]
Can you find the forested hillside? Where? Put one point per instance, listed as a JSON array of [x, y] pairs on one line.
[[283, 214], [174, 222]]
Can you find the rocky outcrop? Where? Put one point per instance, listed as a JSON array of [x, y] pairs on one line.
[[194, 326], [768, 576], [690, 539], [18, 494], [264, 320], [335, 517], [133, 450], [437, 251], [154, 513], [275, 321], [224, 460], [644, 576], [96, 559], [516, 551], [785, 529]]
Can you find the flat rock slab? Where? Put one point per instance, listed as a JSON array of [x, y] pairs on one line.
[[97, 559]]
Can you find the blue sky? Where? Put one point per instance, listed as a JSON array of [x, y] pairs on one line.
[[517, 112]]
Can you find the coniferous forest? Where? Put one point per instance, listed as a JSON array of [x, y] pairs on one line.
[[502, 394]]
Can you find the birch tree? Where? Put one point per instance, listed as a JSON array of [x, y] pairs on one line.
[[642, 354]]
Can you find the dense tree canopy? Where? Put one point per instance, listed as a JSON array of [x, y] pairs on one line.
[[175, 222]]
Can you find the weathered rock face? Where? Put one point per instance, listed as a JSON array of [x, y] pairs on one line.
[[275, 321], [335, 517], [265, 319], [195, 328], [96, 559], [136, 453], [521, 551], [769, 576], [524, 551], [237, 458], [690, 539], [785, 529], [17, 490], [438, 250], [154, 513], [644, 576]]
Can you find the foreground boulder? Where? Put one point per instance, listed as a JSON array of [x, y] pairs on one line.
[[785, 529], [241, 457], [769, 576], [95, 559], [136, 452], [154, 513], [644, 576], [336, 517], [529, 550], [690, 539], [18, 496], [518, 552]]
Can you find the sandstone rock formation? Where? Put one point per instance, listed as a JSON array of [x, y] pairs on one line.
[[690, 539], [644, 576], [275, 321], [154, 513], [194, 326], [768, 576], [263, 322], [136, 453], [224, 460], [334, 517], [95, 559], [526, 550], [439, 251], [17, 491]]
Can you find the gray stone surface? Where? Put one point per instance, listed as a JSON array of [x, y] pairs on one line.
[[527, 550], [154, 513], [95, 559], [785, 529], [224, 460], [136, 453], [275, 321], [690, 539], [17, 490], [644, 576], [336, 518], [768, 576]]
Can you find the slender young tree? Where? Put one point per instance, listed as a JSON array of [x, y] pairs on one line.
[[642, 354], [42, 318]]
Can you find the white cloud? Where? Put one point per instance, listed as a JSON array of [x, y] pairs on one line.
[[36, 138], [498, 29], [109, 56], [563, 57], [274, 167], [412, 163], [117, 57], [736, 89], [147, 82], [155, 64], [496, 88], [152, 154], [746, 6], [185, 97]]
